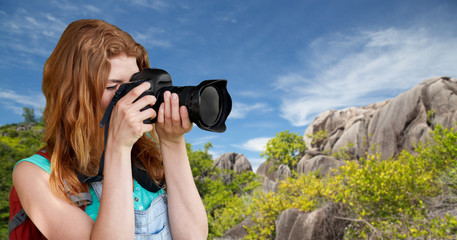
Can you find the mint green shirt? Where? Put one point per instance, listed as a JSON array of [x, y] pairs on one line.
[[142, 198]]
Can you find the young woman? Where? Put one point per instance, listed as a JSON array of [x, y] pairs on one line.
[[91, 60]]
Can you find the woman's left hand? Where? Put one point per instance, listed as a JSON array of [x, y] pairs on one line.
[[186, 211], [172, 120]]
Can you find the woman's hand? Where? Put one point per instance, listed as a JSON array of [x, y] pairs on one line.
[[172, 120], [185, 208], [126, 124]]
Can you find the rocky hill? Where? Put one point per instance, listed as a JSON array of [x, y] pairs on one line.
[[388, 127]]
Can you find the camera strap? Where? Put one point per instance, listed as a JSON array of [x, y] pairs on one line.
[[140, 175]]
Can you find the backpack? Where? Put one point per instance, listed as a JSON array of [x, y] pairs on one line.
[[20, 226]]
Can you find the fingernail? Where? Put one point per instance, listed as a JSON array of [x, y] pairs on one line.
[[174, 96]]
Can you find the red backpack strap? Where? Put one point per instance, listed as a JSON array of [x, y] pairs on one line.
[[20, 226], [42, 152]]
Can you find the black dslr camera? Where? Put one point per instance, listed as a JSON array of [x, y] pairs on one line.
[[208, 103]]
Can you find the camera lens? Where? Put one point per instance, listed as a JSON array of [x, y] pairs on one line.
[[209, 105]]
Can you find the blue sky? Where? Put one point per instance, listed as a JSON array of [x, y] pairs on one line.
[[285, 61]]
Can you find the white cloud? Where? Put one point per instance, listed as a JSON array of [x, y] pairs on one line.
[[151, 37], [92, 8], [202, 140], [249, 94], [363, 68], [240, 110], [154, 4], [33, 25], [255, 144], [16, 101], [30, 36]]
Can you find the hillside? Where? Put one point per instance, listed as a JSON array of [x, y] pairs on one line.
[[17, 141], [396, 177]]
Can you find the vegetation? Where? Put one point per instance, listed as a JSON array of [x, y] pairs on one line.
[[396, 198], [17, 141], [225, 193], [29, 115], [285, 148]]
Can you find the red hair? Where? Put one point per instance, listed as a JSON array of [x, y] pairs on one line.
[[74, 78]]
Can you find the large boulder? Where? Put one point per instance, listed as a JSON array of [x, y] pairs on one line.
[[390, 126], [322, 163], [238, 231], [233, 161], [321, 224], [334, 123], [407, 119], [272, 173]]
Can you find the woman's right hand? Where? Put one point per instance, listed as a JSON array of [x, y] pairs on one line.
[[126, 124]]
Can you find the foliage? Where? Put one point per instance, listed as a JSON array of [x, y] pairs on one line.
[[431, 117], [345, 153], [224, 193], [202, 166], [395, 198], [14, 146], [304, 193], [285, 148], [318, 137]]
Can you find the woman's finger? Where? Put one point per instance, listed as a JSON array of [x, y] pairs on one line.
[[143, 102], [174, 105], [186, 123], [160, 114], [135, 93], [167, 106], [149, 113]]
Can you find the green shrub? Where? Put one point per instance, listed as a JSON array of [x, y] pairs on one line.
[[395, 198], [304, 193], [285, 148], [224, 193], [392, 198]]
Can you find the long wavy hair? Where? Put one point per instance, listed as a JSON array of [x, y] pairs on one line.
[[74, 78]]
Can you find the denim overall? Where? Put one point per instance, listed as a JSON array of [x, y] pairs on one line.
[[151, 223]]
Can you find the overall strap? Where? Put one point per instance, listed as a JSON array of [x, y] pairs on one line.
[[98, 188]]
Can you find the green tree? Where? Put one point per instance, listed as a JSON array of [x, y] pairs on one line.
[[201, 163], [224, 193], [29, 115], [285, 148]]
